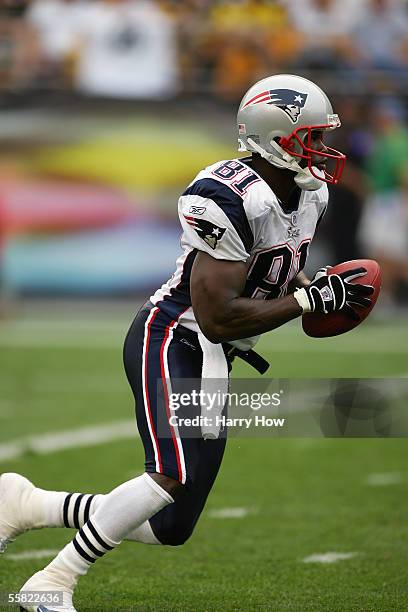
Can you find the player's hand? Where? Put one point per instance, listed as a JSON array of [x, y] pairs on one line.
[[321, 272], [332, 292]]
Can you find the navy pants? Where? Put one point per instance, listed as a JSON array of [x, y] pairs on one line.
[[157, 354]]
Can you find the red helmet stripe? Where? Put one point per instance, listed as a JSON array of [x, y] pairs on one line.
[[264, 94]]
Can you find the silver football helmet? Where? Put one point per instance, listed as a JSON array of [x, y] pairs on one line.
[[276, 118]]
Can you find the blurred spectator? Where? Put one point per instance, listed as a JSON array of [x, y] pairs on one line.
[[319, 20], [389, 156], [191, 19], [245, 14], [384, 227], [57, 24], [128, 50], [13, 8], [324, 27], [18, 47], [381, 35], [242, 41], [343, 216]]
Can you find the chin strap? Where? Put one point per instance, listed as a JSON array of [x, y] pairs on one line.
[[281, 159], [305, 180]]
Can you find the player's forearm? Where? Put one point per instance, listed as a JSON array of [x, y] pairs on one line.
[[245, 317]]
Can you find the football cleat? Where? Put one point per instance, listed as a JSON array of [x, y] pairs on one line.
[[49, 582], [15, 508]]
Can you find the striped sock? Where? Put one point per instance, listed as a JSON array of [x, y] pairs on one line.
[[61, 509], [77, 509], [124, 509], [91, 544], [88, 545]]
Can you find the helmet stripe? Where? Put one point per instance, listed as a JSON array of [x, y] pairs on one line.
[[265, 94]]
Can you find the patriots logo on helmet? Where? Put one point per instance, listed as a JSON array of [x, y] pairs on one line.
[[289, 100], [209, 232]]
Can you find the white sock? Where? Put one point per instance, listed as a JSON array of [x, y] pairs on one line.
[[43, 508], [130, 505], [143, 533], [55, 509], [121, 511], [61, 509]]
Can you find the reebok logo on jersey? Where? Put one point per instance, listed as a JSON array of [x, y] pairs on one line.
[[208, 231], [197, 210]]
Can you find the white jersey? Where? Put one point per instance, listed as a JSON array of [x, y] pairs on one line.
[[231, 213]]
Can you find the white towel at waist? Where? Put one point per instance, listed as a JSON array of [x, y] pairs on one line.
[[245, 344], [214, 384]]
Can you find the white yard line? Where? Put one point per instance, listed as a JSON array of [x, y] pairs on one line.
[[27, 555], [329, 557], [126, 429], [227, 513], [62, 440], [383, 479]]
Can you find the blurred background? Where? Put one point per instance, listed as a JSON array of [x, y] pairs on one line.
[[108, 108]]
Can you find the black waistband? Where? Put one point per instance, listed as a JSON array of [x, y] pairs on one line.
[[251, 357]]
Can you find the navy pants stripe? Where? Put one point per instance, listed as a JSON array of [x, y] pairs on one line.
[[146, 394], [167, 445], [157, 353]]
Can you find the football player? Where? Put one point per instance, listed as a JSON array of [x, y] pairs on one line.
[[247, 227]]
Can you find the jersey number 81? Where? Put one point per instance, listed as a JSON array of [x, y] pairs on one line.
[[270, 270]]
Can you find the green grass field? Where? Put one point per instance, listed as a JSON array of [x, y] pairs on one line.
[[302, 496]]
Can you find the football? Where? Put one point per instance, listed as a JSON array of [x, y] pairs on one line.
[[320, 325]]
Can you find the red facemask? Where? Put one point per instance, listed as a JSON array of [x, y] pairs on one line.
[[308, 153]]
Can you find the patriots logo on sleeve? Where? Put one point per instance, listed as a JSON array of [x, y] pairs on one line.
[[208, 231], [288, 100]]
